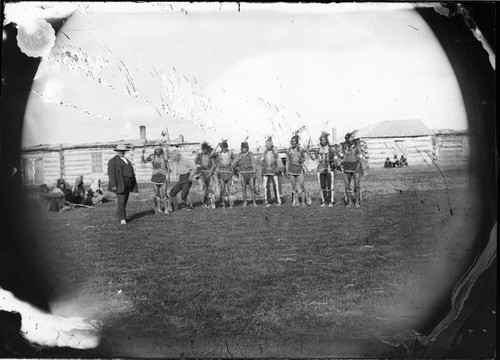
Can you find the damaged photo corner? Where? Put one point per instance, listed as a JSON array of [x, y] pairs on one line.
[[410, 274]]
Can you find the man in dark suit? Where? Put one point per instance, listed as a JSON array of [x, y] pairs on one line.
[[121, 180]]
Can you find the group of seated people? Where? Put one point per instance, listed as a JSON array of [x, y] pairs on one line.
[[403, 161], [63, 198]]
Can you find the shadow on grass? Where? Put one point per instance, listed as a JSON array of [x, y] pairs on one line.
[[239, 203], [141, 215]]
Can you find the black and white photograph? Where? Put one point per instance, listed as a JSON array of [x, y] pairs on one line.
[[248, 180]]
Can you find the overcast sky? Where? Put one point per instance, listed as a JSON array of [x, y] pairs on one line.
[[266, 70]]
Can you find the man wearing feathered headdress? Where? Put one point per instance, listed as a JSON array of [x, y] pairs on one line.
[[272, 166], [205, 161], [224, 164], [160, 169], [327, 157], [296, 156], [353, 154], [246, 167]]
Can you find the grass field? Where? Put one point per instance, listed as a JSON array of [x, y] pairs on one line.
[[266, 282]]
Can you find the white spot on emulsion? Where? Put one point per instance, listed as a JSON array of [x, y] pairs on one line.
[[491, 55], [30, 26], [50, 330]]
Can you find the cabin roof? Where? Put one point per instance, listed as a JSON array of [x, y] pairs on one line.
[[106, 145], [450, 132], [395, 128]]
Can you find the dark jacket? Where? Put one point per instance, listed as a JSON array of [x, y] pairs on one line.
[[116, 176]]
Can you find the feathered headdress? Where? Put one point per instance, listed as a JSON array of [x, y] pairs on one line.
[[348, 135], [324, 134], [297, 132], [244, 144]]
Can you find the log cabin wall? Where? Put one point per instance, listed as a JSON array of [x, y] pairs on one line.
[[453, 148], [46, 164], [418, 150]]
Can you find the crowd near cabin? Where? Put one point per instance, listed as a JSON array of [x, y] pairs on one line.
[[44, 164]]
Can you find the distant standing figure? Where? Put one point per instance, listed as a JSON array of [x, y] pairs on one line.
[[352, 169], [121, 180], [159, 164], [246, 167], [186, 170], [387, 163], [272, 167]]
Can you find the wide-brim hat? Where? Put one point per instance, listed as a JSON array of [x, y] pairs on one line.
[[122, 147]]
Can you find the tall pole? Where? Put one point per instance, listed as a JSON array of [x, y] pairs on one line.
[[61, 160]]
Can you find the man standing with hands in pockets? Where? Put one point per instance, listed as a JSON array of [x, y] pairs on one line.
[[121, 180]]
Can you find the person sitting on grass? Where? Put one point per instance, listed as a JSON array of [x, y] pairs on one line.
[[95, 194], [387, 163], [78, 192], [64, 186], [396, 162], [403, 161], [53, 201]]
